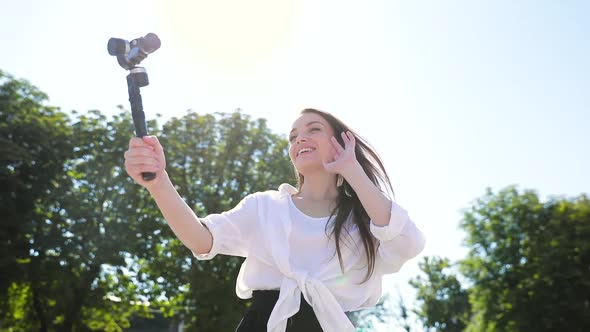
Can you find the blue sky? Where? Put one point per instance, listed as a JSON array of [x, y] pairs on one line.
[[456, 96]]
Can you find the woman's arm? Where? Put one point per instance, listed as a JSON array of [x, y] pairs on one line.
[[390, 223], [377, 205], [181, 218], [146, 154]]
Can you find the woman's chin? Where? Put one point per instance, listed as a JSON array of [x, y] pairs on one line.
[[309, 166]]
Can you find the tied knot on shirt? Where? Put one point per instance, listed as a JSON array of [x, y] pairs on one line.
[[303, 282], [328, 310]]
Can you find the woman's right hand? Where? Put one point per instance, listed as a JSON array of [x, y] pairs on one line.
[[145, 154]]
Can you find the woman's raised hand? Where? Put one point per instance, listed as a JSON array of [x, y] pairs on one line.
[[343, 158], [145, 154]]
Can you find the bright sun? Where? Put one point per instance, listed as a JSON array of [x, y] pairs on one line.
[[231, 34]]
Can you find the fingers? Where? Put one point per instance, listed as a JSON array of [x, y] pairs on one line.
[[145, 154], [335, 154], [141, 160], [141, 154], [336, 145], [145, 141], [348, 139], [136, 170], [139, 151], [134, 160], [153, 142], [138, 142], [343, 157]]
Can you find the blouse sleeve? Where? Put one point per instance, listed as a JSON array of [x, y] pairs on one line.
[[400, 240], [231, 229]]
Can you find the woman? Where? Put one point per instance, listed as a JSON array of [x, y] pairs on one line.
[[313, 252]]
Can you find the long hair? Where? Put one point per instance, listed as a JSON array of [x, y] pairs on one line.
[[347, 201]]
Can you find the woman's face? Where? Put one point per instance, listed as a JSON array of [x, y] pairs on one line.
[[309, 142]]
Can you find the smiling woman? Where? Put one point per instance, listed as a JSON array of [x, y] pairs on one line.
[[231, 34], [313, 252]]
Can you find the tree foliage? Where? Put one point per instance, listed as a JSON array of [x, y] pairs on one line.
[[85, 248], [526, 269], [529, 262], [34, 148], [444, 303]]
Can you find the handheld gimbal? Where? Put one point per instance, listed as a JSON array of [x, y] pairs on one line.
[[129, 55]]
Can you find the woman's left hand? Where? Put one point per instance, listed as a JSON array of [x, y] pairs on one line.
[[344, 158]]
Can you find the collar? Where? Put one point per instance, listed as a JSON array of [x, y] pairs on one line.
[[286, 189]]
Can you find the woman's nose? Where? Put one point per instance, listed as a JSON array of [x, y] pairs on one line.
[[300, 139]]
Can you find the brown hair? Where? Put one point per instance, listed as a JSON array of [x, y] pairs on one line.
[[348, 201]]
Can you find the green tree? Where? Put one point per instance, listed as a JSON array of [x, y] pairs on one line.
[[102, 213], [528, 262], [526, 268], [83, 247], [443, 303], [34, 146], [74, 232]]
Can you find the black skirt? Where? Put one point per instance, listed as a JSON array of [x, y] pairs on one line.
[[262, 304]]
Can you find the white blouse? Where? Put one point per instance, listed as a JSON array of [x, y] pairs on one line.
[[290, 251]]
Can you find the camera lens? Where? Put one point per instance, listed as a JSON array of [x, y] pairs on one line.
[[117, 46]]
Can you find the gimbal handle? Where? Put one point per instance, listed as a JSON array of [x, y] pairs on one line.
[[138, 78]]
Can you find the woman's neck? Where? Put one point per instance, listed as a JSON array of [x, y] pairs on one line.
[[319, 187]]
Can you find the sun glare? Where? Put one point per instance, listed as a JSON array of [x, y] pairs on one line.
[[231, 34]]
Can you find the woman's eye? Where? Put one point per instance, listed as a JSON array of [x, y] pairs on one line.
[[314, 129]]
